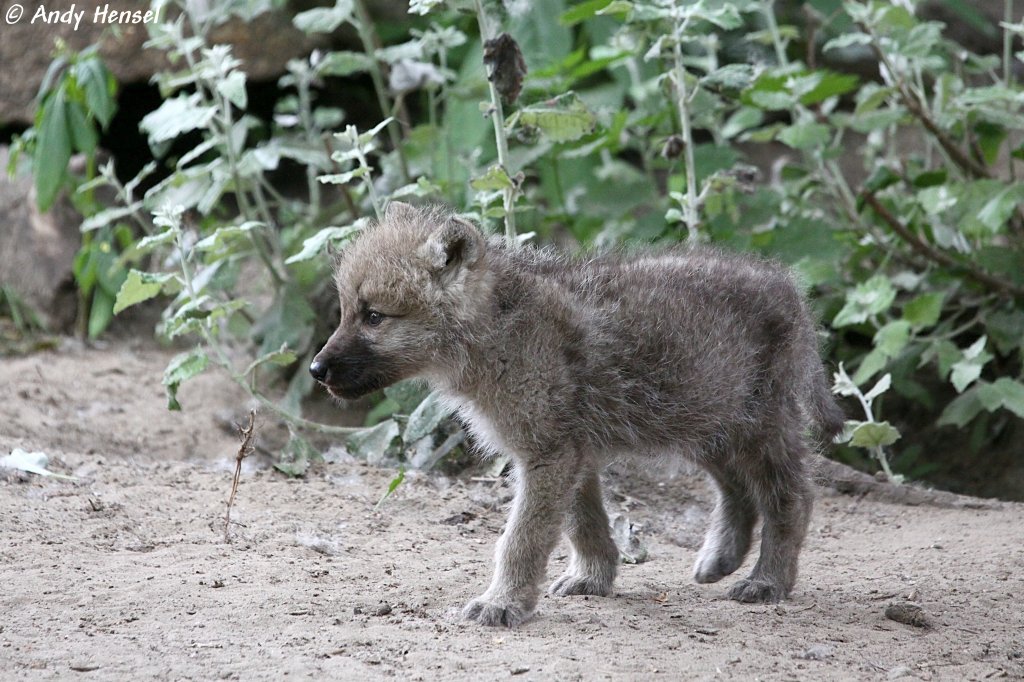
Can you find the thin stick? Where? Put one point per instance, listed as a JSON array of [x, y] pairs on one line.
[[928, 251], [246, 434]]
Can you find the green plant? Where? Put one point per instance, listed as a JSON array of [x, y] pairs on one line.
[[76, 98], [894, 197]]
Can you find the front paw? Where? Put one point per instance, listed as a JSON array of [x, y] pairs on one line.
[[495, 612], [757, 590], [572, 584], [712, 567]]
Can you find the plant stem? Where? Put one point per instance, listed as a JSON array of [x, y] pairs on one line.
[[500, 140], [378, 207], [933, 254], [690, 214], [773, 28], [306, 113], [1007, 45], [364, 26]]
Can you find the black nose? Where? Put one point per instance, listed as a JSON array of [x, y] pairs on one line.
[[318, 369]]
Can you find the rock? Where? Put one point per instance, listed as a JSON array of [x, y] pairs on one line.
[[816, 652], [264, 45], [907, 613], [37, 249]]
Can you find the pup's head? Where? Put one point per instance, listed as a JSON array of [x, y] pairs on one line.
[[406, 285]]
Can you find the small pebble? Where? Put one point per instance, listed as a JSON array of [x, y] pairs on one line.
[[816, 652], [907, 613]]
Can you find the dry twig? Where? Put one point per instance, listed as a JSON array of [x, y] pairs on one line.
[[247, 435]]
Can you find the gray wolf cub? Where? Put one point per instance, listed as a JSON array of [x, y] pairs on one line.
[[565, 362]]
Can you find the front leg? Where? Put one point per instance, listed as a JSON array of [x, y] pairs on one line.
[[543, 492]]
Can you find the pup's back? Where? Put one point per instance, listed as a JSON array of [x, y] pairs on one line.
[[678, 349]]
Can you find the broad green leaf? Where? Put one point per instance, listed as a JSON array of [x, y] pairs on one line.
[[101, 312], [879, 388], [830, 85], [407, 395], [924, 311], [962, 410], [867, 298], [344, 63], [874, 434], [968, 369], [999, 208], [312, 246], [53, 149], [364, 139], [175, 117], [772, 100], [848, 40], [324, 19], [425, 418], [849, 426], [282, 357], [495, 179], [805, 135], [233, 88], [222, 236], [138, 287], [147, 244], [1003, 392], [83, 136], [938, 199], [343, 178], [372, 444], [1006, 328], [189, 317], [893, 337], [730, 77], [872, 363], [563, 119], [742, 119], [964, 374], [182, 367], [99, 87], [297, 455], [107, 216], [580, 12], [423, 8]]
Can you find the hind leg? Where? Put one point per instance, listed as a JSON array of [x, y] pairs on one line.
[[783, 491], [595, 558], [732, 525]]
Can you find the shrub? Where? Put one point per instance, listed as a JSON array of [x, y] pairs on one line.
[[894, 196]]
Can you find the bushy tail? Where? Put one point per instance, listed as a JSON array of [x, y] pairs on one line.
[[828, 417]]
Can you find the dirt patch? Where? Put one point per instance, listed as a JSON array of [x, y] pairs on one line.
[[124, 573]]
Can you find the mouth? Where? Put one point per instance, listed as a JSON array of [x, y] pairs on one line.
[[349, 392], [352, 390]]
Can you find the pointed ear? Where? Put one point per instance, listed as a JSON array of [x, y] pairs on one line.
[[455, 245], [399, 210]]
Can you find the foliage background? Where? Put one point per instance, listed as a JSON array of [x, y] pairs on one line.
[[855, 141]]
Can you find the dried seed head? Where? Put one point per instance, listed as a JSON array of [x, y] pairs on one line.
[[673, 147], [507, 66]]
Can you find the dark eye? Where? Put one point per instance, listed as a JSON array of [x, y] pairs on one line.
[[373, 318]]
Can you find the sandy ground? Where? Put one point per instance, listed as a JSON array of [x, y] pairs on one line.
[[124, 573]]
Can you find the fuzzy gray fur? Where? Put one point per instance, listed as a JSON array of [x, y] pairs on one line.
[[564, 363]]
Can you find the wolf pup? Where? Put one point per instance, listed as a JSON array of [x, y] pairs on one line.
[[565, 363]]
